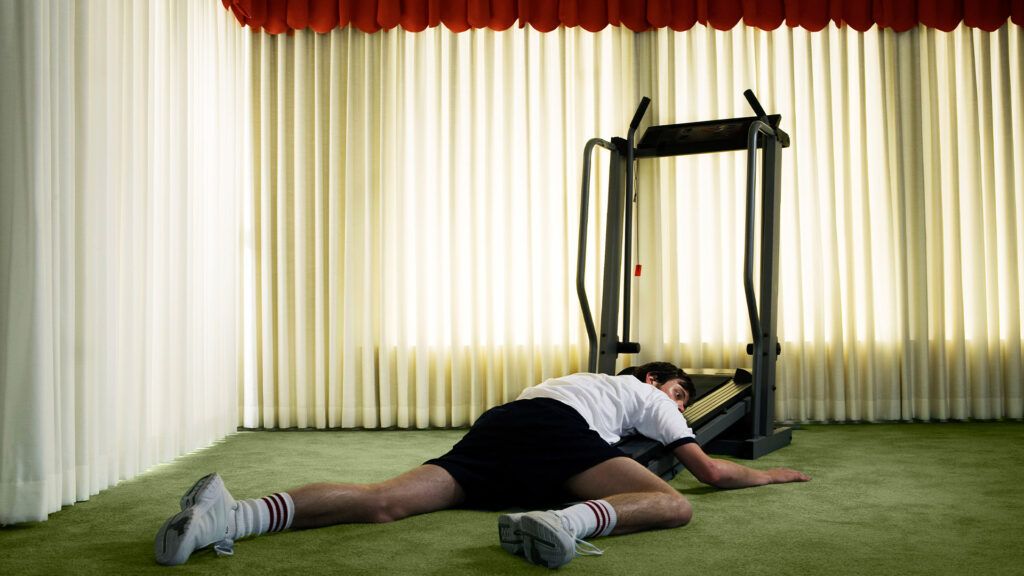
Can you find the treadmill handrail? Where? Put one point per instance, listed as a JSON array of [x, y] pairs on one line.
[[757, 127], [581, 256], [755, 104], [627, 255]]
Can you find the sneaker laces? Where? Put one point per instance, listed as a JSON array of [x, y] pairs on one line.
[[225, 547], [584, 548]]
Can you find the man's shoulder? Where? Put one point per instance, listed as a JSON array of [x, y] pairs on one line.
[[582, 377]]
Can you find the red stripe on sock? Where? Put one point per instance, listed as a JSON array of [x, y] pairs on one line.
[[283, 517], [604, 506], [283, 506], [602, 517], [607, 518], [272, 507]]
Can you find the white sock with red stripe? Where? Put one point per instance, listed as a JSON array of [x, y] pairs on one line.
[[589, 519], [261, 515]]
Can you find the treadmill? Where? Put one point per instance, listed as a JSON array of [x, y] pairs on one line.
[[733, 413]]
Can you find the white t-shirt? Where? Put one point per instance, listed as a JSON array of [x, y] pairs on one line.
[[617, 406]]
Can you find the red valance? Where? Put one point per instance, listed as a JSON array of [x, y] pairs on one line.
[[276, 16]]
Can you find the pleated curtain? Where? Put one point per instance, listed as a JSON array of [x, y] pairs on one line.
[[416, 209], [901, 251], [413, 219], [203, 227], [120, 242]]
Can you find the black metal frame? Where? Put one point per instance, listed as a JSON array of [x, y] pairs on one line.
[[752, 433]]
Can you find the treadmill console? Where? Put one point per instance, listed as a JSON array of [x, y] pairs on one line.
[[702, 137]]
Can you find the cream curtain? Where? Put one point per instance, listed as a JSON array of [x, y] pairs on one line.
[[122, 155], [412, 223], [902, 210], [411, 230]]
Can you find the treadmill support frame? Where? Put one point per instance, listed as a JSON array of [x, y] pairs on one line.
[[747, 432]]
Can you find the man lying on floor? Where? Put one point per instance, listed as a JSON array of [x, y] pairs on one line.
[[550, 447]]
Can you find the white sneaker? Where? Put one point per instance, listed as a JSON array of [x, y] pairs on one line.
[[207, 517], [510, 534], [549, 543]]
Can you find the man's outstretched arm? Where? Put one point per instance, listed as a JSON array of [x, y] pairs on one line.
[[726, 474]]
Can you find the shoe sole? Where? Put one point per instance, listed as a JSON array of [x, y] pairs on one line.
[[167, 545], [510, 535], [541, 544], [190, 497]]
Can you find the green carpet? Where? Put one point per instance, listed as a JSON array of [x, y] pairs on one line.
[[885, 499]]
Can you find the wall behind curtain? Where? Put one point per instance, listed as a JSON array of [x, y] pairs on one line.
[[122, 161], [414, 220]]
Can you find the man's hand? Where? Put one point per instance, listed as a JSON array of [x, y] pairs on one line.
[[726, 474], [784, 475]]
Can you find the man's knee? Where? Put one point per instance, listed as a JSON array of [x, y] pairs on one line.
[[679, 511], [382, 506], [676, 506]]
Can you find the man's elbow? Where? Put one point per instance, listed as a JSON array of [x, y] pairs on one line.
[[712, 475]]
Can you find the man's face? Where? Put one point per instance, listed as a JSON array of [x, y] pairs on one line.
[[675, 391]]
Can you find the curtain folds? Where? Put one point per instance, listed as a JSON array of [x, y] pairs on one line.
[[901, 217], [322, 16], [202, 227], [119, 245], [411, 226], [415, 216]]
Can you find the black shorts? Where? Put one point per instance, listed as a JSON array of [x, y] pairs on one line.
[[522, 453]]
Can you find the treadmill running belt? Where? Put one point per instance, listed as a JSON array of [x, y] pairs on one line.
[[707, 406]]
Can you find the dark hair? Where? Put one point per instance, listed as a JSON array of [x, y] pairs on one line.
[[662, 372]]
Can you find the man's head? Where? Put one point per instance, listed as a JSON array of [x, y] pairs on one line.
[[666, 377]]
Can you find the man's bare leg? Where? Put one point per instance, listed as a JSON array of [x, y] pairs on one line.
[[642, 501], [211, 516], [619, 496], [424, 489]]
